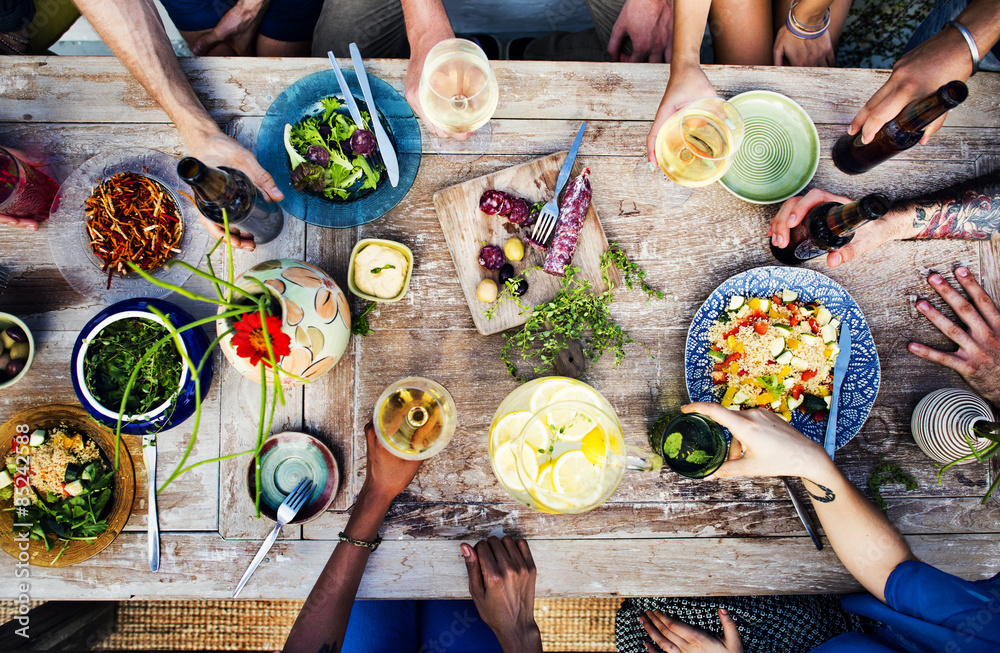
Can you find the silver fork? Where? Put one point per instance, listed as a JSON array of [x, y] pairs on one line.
[[550, 212], [286, 513]]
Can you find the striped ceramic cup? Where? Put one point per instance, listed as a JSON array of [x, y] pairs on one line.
[[943, 420]]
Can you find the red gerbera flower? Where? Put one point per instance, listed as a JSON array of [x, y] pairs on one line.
[[249, 338]]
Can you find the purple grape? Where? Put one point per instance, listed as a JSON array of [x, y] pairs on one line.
[[491, 257], [325, 131], [363, 142], [345, 146], [318, 155]]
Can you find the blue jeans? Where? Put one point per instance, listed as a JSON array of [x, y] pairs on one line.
[[944, 11], [418, 627]]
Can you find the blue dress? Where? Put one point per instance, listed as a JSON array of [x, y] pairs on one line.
[[926, 611]]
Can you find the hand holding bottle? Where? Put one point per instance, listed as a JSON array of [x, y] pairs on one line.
[[868, 237]]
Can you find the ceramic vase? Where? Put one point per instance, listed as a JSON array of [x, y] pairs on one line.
[[942, 424], [314, 313]]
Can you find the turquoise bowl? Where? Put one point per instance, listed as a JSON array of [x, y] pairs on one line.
[[287, 458]]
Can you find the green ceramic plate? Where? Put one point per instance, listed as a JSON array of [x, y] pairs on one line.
[[780, 149]]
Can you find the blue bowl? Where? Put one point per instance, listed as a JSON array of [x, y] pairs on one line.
[[302, 99], [195, 343]]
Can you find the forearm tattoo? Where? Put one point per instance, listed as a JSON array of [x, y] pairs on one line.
[[828, 495], [967, 211]]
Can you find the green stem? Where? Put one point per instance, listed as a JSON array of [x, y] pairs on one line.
[[993, 486], [211, 270], [211, 277], [260, 436], [210, 460], [177, 289], [229, 251]]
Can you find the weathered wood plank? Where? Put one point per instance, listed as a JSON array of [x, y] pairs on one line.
[[100, 89], [204, 566], [669, 520]]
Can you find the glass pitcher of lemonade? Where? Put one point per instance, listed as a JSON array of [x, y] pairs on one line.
[[556, 446]]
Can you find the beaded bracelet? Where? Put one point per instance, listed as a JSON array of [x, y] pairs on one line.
[[803, 31], [366, 545], [971, 41]]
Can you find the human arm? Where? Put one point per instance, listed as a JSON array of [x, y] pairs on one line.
[[133, 31], [238, 27], [805, 52], [861, 535], [978, 355], [687, 81], [322, 622], [649, 26], [969, 210], [427, 25], [940, 59], [502, 585]]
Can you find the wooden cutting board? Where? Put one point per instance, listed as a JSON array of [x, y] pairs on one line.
[[466, 227]]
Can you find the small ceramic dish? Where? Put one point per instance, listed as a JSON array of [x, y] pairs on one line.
[[400, 247], [6, 320], [285, 459]]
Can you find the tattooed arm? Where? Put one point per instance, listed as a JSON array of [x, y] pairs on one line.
[[765, 445], [969, 210], [321, 624]]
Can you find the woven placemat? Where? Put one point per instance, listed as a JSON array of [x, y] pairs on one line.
[[581, 625]]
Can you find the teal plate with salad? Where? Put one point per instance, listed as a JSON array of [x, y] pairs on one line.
[[307, 142]]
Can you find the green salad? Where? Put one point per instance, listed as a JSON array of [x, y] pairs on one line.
[[330, 156]]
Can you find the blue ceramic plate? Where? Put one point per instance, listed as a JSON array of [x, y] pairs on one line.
[[285, 459], [195, 342], [863, 373], [302, 99]]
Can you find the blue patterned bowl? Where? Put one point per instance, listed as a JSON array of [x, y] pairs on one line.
[[302, 99], [194, 342], [863, 373]]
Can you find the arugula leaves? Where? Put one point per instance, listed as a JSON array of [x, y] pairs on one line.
[[115, 352]]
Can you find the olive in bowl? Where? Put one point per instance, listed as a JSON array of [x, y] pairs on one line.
[[17, 350]]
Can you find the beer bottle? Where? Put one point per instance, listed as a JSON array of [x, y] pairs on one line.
[[221, 188], [904, 131], [829, 226]]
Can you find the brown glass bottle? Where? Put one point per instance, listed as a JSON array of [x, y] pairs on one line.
[[829, 226], [221, 188], [904, 131]]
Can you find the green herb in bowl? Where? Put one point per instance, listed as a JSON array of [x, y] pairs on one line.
[[113, 354]]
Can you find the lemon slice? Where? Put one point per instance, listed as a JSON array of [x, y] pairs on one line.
[[510, 426], [572, 473], [568, 424], [505, 463], [537, 437], [544, 480], [577, 393], [543, 394], [594, 447]]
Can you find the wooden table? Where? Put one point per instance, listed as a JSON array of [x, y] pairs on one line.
[[659, 535]]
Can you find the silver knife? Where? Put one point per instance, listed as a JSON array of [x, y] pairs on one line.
[[384, 145], [803, 515], [152, 520], [839, 372], [352, 106]]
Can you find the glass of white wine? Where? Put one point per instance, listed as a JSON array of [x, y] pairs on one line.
[[415, 418], [696, 146], [458, 93]]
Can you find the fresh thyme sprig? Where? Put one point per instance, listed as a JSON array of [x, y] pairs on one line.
[[575, 314], [359, 324], [887, 474]]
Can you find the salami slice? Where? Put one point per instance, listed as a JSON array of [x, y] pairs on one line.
[[572, 213], [519, 211], [491, 201]]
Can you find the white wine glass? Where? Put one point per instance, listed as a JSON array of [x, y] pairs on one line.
[[698, 143], [458, 94], [415, 418]]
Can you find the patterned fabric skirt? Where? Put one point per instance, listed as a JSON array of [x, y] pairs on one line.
[[790, 624]]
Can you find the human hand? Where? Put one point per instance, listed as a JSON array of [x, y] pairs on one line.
[[217, 149], [940, 59], [816, 53], [415, 68], [649, 25], [978, 355], [502, 585], [673, 636], [763, 443], [238, 28], [868, 237], [687, 83], [386, 474]]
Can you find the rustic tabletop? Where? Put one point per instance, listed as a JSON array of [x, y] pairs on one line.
[[658, 535]]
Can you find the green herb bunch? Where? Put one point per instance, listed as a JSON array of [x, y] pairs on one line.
[[576, 314], [888, 474]]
